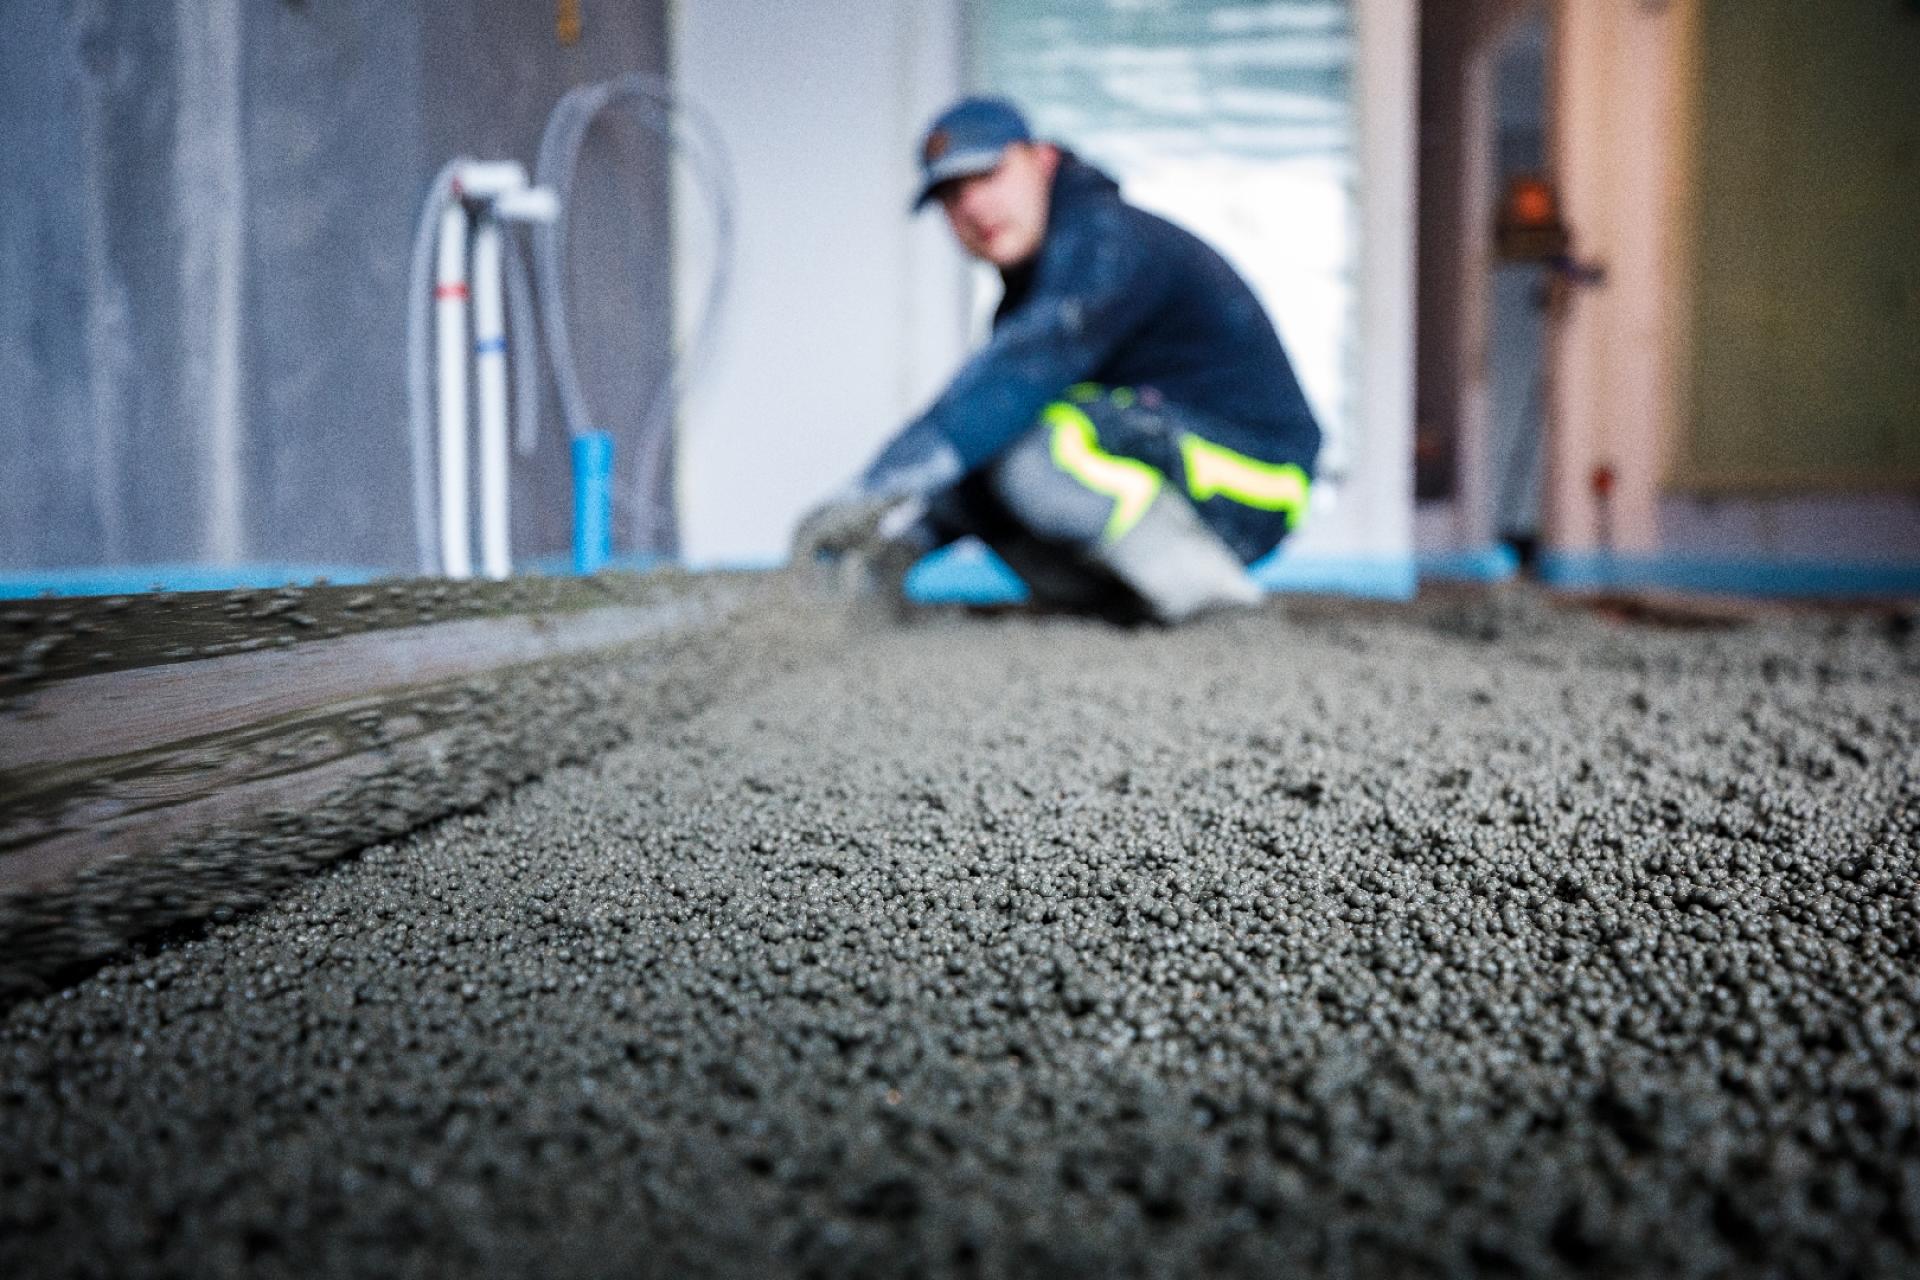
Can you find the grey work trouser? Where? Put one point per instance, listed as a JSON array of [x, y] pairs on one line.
[[1056, 504]]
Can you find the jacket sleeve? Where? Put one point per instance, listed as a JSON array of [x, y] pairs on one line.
[[1095, 286]]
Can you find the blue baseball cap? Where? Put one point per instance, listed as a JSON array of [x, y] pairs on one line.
[[969, 137]]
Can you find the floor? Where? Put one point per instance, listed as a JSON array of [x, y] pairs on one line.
[[1479, 936]]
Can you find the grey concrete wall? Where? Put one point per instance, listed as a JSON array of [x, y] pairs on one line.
[[89, 386], [203, 258]]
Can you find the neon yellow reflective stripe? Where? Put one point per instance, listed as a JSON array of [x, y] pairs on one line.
[[1216, 471], [1131, 483]]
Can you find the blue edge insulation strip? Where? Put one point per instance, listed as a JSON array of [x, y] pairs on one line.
[[967, 573]]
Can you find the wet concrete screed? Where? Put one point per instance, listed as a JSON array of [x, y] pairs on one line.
[[1474, 938]]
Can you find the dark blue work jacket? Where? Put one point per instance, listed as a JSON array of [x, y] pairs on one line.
[[1119, 297]]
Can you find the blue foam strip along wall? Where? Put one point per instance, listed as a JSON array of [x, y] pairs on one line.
[[122, 580], [968, 573], [1599, 572], [1488, 564]]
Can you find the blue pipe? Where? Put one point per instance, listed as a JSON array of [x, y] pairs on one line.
[[592, 501]]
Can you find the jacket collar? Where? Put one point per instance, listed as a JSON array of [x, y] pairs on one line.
[[1075, 183]]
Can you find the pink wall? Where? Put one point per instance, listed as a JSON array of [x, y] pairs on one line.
[[1617, 139]]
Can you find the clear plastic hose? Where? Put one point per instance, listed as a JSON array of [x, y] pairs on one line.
[[651, 101], [524, 348]]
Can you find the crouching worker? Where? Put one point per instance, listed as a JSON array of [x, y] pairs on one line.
[[1130, 438]]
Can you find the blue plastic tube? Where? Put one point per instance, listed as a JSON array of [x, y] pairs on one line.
[[592, 501]]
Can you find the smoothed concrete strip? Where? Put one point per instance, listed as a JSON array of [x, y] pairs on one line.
[[127, 711], [137, 798]]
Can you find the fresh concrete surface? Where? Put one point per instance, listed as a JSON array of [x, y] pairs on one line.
[[1470, 938]]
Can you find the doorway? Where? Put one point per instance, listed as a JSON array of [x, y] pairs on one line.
[[1481, 328]]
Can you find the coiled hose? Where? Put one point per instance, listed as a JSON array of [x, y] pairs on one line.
[[650, 100]]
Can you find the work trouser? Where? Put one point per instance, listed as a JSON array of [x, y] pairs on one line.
[[1088, 472]]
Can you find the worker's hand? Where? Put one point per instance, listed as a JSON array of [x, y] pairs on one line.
[[866, 544], [839, 525]]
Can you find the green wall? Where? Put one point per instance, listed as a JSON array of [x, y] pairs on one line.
[[1806, 340]]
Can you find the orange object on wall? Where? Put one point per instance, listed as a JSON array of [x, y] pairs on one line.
[[1529, 227]]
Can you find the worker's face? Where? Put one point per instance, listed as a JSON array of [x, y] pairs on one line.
[[1000, 216]]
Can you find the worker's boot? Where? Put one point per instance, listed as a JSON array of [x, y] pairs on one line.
[[1176, 565]]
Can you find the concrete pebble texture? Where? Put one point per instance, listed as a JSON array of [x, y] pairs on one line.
[[1476, 938]]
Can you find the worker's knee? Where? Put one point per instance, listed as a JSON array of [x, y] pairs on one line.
[[1042, 486]]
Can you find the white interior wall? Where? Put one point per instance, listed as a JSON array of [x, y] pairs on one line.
[[1372, 521], [846, 314]]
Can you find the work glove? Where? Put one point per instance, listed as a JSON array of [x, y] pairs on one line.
[[873, 532], [869, 542], [888, 498], [840, 524]]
